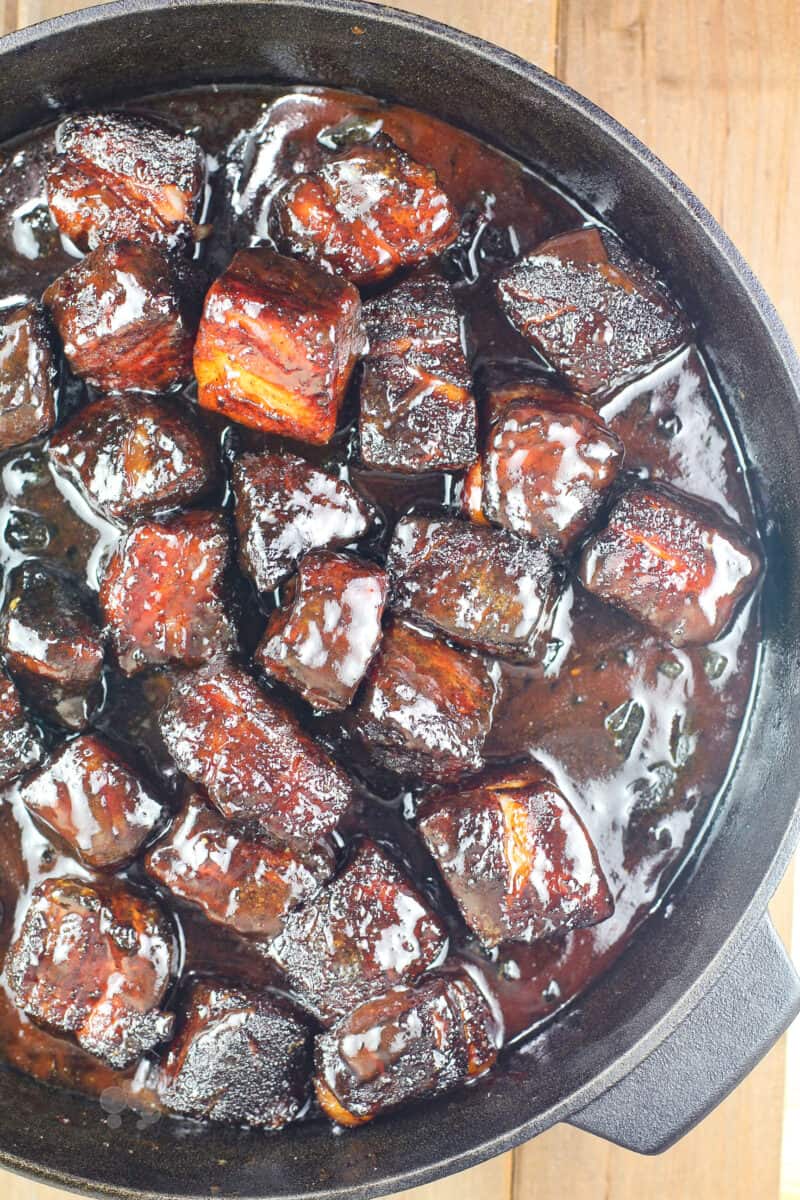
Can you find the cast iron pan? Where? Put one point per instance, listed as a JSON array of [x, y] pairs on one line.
[[706, 988]]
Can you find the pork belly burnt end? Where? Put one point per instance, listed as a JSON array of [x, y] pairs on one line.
[[252, 757], [120, 175], [484, 587], [234, 876], [427, 708], [597, 315], [237, 1057], [324, 638], [366, 932], [28, 376], [409, 1043], [163, 596], [127, 317], [365, 213], [674, 562], [51, 643], [95, 961], [285, 507], [20, 742], [277, 344], [417, 408], [516, 857], [93, 802], [131, 456]]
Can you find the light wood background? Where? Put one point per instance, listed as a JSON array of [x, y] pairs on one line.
[[713, 86]]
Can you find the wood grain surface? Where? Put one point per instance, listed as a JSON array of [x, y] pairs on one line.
[[713, 86]]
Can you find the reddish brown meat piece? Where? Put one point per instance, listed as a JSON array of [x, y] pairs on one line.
[[409, 1043], [127, 317], [427, 708], [277, 344], [28, 376], [93, 802], [52, 645], [365, 213], [596, 314], [233, 875], [238, 1057], [516, 857], [417, 408], [367, 931], [20, 741], [119, 175], [162, 595], [132, 456], [324, 638], [286, 507], [484, 587], [95, 961], [674, 562], [252, 757]]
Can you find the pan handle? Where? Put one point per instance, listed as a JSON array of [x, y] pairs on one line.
[[704, 1059]]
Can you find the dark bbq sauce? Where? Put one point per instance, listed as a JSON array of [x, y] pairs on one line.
[[638, 735]]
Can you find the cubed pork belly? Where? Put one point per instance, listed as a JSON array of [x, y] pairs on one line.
[[21, 746], [28, 375]]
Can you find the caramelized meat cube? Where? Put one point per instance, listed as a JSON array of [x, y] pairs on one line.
[[95, 960], [92, 801], [20, 742], [252, 757], [132, 456], [127, 317], [365, 213], [366, 932], [286, 507], [324, 639], [674, 562], [233, 875], [597, 315], [162, 594], [483, 587], [516, 857], [409, 1043], [427, 708], [239, 1057], [28, 376], [277, 344], [118, 175], [51, 643], [417, 408]]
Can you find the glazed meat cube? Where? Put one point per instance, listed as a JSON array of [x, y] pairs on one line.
[[417, 409], [133, 455], [483, 587], [118, 175], [93, 802], [427, 708], [127, 317], [252, 757], [95, 960], [540, 392], [516, 857], [237, 1057], [28, 376], [409, 1043], [597, 315], [366, 932], [286, 507], [234, 876], [365, 213], [20, 741], [674, 562], [162, 595], [277, 344], [52, 645], [325, 637]]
